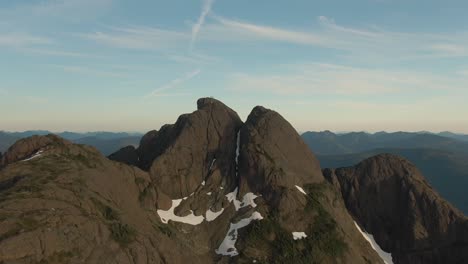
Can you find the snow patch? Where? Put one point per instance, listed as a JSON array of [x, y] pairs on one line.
[[228, 246], [208, 193], [212, 164], [237, 153], [203, 183], [238, 147], [36, 155], [385, 256], [190, 219], [247, 200], [232, 195], [210, 215], [299, 235], [301, 190]]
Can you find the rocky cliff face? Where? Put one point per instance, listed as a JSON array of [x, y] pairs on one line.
[[207, 189], [391, 199]]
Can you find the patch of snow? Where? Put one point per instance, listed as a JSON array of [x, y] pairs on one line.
[[228, 246], [232, 195], [36, 155], [301, 190], [203, 183], [208, 193], [299, 235], [238, 147], [237, 153], [247, 200], [385, 256], [210, 215], [221, 188], [212, 163], [190, 219]]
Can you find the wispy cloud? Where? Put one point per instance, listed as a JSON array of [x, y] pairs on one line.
[[336, 80], [193, 58], [64, 10], [206, 9], [356, 43], [88, 71], [59, 53], [234, 30], [143, 38], [23, 40], [162, 91]]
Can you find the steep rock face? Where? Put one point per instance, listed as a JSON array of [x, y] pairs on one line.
[[270, 144], [199, 147], [195, 144], [391, 199], [293, 197]]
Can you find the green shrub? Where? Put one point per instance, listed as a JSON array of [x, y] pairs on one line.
[[122, 233], [323, 241]]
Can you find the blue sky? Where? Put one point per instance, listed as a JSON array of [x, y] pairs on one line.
[[120, 65]]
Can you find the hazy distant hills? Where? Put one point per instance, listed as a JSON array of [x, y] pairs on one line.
[[454, 136], [328, 143], [6, 140], [442, 158], [105, 142], [447, 171]]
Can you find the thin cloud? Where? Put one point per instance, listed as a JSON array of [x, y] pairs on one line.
[[162, 91], [23, 40], [359, 44], [140, 38], [330, 23], [47, 10], [206, 9], [240, 30], [88, 71], [338, 80], [59, 53]]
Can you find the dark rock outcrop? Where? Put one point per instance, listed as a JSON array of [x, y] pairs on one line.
[[391, 199], [126, 155]]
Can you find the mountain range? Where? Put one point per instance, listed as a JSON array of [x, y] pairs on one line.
[[211, 188], [442, 158], [105, 142], [329, 143]]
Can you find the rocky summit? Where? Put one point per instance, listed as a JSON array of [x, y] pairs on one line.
[[390, 198], [211, 188]]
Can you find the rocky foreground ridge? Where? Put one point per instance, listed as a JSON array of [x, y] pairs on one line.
[[213, 189]]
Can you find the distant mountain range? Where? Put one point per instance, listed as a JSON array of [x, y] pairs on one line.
[[105, 142], [328, 143]]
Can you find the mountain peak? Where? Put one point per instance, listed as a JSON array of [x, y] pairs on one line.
[[207, 102], [27, 147]]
